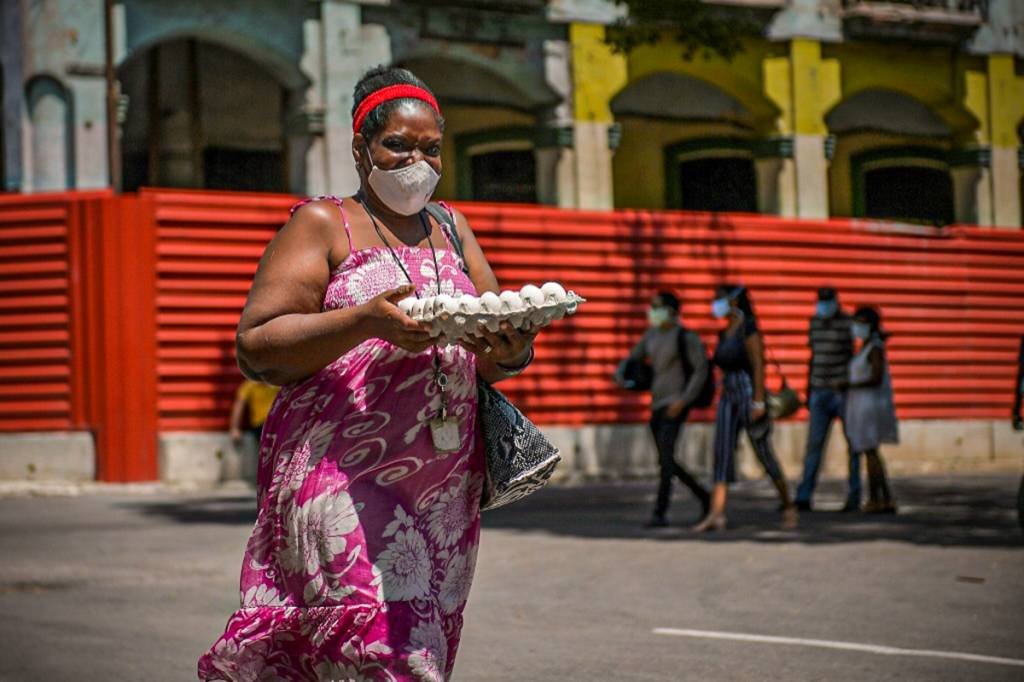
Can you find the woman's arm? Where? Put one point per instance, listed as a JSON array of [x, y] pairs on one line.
[[283, 336], [755, 351], [876, 359], [509, 347]]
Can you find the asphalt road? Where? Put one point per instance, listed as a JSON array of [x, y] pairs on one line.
[[118, 586]]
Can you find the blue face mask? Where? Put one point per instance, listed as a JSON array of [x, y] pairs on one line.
[[827, 308], [860, 330], [720, 307]]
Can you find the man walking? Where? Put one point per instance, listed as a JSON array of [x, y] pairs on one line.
[[680, 369], [831, 349]]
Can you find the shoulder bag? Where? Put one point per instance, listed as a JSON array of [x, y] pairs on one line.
[[519, 459]]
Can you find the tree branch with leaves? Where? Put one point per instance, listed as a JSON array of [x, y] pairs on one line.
[[695, 25]]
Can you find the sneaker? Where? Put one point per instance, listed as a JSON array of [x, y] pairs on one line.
[[850, 506], [803, 505], [657, 522]]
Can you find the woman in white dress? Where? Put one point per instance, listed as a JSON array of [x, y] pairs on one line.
[[870, 412]]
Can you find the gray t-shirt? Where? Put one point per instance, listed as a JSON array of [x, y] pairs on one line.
[[660, 347]]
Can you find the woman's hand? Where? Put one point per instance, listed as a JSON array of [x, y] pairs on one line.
[[757, 412], [508, 346], [675, 409], [388, 322]]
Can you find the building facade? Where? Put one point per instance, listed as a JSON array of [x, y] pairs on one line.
[[898, 110]]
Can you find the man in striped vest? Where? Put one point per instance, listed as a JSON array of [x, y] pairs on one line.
[[827, 378]]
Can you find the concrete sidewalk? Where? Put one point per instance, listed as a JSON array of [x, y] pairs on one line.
[[134, 586]]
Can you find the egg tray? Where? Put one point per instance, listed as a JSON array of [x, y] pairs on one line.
[[454, 318]]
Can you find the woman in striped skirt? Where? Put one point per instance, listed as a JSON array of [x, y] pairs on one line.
[[741, 405]]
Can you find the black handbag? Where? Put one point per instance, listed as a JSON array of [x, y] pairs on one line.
[[785, 401], [634, 375], [519, 459]]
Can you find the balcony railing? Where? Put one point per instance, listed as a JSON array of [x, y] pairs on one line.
[[930, 11], [939, 21]]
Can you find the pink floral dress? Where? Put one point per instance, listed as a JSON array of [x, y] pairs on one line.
[[365, 542]]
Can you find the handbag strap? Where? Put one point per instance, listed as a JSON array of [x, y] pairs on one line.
[[778, 367]]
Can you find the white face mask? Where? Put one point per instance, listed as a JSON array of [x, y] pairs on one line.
[[404, 190], [657, 316], [860, 330], [720, 307]]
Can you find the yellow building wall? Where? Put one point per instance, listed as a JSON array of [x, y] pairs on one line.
[[791, 88], [468, 119], [742, 78], [932, 75], [639, 163]]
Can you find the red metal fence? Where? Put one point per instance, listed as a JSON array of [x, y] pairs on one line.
[[117, 314], [952, 299]]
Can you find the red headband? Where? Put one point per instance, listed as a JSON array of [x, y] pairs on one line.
[[387, 94]]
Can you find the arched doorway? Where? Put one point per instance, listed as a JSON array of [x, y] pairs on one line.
[[203, 116], [711, 174], [892, 160], [904, 185]]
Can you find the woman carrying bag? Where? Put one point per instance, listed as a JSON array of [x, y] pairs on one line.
[[742, 404], [371, 465]]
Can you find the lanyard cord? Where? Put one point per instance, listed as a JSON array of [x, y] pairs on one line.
[[398, 261], [440, 378]]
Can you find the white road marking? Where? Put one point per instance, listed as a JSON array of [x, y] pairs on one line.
[[831, 644]]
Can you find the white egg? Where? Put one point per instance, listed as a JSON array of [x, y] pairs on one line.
[[532, 295], [406, 304], [417, 309], [511, 302], [445, 305], [469, 305], [490, 302], [553, 292]]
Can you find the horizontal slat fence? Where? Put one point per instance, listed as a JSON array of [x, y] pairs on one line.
[[208, 247], [38, 239], [953, 299]]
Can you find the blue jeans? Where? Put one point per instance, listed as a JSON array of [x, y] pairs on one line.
[[825, 405]]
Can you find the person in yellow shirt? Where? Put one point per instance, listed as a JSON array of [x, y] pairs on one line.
[[254, 400]]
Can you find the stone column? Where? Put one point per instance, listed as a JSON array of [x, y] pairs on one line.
[[89, 95], [1005, 187], [1006, 107], [304, 121], [349, 48], [972, 178], [776, 182], [12, 96], [555, 180], [598, 75], [556, 173], [304, 137], [815, 89]]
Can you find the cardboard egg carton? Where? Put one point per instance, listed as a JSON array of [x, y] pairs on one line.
[[457, 317]]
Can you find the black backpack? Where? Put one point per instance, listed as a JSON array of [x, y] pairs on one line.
[[707, 392]]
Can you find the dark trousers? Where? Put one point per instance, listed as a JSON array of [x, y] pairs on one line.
[[825, 406], [666, 431]]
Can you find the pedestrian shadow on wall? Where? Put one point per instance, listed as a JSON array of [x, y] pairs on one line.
[[940, 511]]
